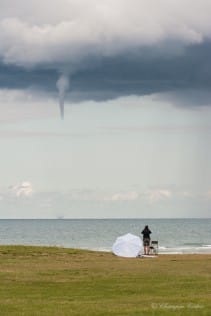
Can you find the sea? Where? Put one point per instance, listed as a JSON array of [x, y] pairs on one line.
[[174, 236]]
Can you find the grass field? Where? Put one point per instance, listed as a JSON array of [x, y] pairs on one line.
[[55, 281]]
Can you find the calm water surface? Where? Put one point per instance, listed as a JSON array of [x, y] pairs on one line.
[[174, 235]]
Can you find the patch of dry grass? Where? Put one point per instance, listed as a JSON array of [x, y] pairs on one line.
[[55, 281]]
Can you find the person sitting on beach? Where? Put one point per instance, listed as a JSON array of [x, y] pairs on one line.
[[146, 239]]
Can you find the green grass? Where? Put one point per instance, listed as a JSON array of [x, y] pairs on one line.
[[55, 281]]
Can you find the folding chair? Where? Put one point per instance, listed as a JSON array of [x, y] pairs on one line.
[[154, 247]]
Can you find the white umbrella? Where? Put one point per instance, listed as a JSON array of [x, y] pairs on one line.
[[127, 245]]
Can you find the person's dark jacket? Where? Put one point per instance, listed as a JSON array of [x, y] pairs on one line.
[[146, 233]]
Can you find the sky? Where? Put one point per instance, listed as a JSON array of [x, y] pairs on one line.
[[105, 109]]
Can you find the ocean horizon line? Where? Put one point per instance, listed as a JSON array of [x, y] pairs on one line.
[[106, 218]]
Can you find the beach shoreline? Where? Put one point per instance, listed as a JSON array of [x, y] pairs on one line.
[[102, 250]]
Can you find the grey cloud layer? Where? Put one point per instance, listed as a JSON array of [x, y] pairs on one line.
[[144, 73], [74, 30], [110, 48]]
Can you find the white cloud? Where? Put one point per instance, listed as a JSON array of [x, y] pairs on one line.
[[187, 194], [101, 195], [21, 201], [69, 31], [158, 195], [22, 190], [122, 196]]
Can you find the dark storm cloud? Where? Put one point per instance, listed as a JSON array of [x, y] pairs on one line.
[[143, 71], [108, 48]]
